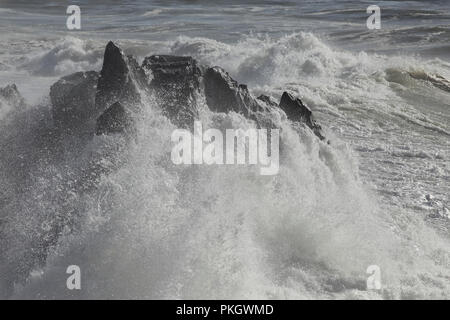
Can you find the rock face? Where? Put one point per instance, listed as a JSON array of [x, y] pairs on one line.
[[176, 84], [107, 100], [73, 99], [107, 103], [296, 111], [224, 94], [268, 100], [11, 95], [119, 80], [115, 119]]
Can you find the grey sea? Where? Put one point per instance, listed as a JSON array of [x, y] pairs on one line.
[[377, 194]]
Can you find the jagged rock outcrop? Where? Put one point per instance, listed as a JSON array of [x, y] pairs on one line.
[[296, 111], [120, 79], [176, 84], [73, 99], [268, 100], [224, 94], [115, 119], [11, 95]]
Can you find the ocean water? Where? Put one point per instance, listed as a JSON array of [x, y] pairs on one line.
[[151, 229]]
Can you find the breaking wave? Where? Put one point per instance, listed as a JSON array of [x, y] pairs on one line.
[[69, 56], [149, 229]]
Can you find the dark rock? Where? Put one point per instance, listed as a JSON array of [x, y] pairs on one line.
[[115, 119], [120, 79], [296, 111], [73, 99], [223, 94], [268, 100], [176, 83], [11, 95]]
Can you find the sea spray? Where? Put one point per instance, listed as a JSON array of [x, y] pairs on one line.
[[151, 229]]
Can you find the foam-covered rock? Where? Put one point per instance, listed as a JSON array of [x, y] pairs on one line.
[[268, 100], [297, 111], [224, 94], [120, 79], [73, 99], [115, 119], [176, 84], [100, 100]]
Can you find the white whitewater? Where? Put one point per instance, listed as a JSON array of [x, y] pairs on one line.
[[155, 230]]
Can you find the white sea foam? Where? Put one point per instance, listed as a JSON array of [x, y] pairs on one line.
[[153, 13], [155, 230], [68, 56]]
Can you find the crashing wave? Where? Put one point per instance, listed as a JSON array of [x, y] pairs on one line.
[[96, 188]]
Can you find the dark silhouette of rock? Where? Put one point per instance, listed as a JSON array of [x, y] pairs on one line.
[[115, 119], [296, 111], [224, 94], [174, 81], [11, 95], [176, 84], [120, 79], [73, 99]]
